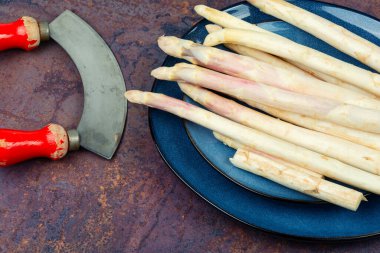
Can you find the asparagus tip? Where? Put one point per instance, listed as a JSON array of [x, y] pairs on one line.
[[173, 46], [134, 96], [213, 28], [186, 87], [184, 65], [162, 73], [163, 40], [213, 39], [200, 8]]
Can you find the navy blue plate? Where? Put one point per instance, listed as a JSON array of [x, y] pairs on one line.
[[308, 221]]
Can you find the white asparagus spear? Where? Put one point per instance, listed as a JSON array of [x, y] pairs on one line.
[[258, 71], [348, 152], [225, 20], [290, 50], [333, 34], [363, 138], [316, 107], [237, 145], [257, 54], [264, 57], [295, 67], [296, 180], [333, 80], [308, 159]]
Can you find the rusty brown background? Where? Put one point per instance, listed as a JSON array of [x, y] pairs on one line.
[[133, 203]]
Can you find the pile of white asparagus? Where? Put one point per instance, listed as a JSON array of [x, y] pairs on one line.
[[326, 112]]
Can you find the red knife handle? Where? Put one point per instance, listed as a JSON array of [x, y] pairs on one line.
[[24, 33], [17, 146]]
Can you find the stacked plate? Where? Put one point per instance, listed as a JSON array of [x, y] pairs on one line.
[[201, 161]]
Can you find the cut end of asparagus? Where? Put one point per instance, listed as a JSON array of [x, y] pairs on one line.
[[213, 28], [214, 38], [135, 96]]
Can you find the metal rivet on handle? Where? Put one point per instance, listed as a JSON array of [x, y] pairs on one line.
[[74, 139], [44, 31]]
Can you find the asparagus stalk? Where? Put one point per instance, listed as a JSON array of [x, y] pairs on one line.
[[316, 107], [256, 54], [268, 58], [363, 138], [296, 180], [348, 152], [333, 34], [226, 20], [237, 145], [333, 80], [290, 50], [264, 57], [262, 142], [258, 71]]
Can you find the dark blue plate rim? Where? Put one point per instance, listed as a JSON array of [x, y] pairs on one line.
[[272, 232]]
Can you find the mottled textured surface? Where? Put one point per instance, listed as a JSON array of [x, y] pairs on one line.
[[132, 203]]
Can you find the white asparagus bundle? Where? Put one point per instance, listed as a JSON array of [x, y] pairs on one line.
[[345, 151], [308, 159], [363, 138], [229, 22], [290, 50], [296, 180], [316, 107], [333, 34], [237, 145], [258, 71]]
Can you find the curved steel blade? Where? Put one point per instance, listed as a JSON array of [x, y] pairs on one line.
[[104, 113]]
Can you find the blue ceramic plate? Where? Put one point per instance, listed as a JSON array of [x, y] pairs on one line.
[[308, 221]]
